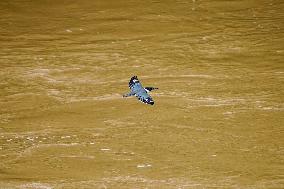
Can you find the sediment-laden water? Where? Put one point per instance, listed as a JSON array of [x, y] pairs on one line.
[[217, 121]]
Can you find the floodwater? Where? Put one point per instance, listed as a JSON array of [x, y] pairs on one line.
[[218, 116]]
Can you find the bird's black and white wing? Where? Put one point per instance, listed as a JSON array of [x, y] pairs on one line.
[[144, 97]]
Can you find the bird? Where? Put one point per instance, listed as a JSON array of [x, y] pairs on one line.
[[136, 89]]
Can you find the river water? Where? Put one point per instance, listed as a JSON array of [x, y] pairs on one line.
[[218, 116]]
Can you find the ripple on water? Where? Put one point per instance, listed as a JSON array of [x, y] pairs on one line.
[[36, 185]]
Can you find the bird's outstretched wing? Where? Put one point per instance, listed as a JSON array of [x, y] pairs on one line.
[[144, 97]]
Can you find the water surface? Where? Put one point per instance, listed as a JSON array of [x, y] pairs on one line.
[[218, 114]]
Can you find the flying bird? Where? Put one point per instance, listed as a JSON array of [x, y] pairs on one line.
[[141, 93]]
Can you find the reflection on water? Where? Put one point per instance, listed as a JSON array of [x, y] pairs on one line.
[[218, 116]]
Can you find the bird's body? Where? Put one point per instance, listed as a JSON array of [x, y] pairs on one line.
[[141, 93]]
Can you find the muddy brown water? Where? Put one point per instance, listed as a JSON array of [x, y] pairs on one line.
[[217, 121]]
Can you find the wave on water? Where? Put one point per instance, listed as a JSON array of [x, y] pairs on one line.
[[36, 185], [179, 76], [115, 96]]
